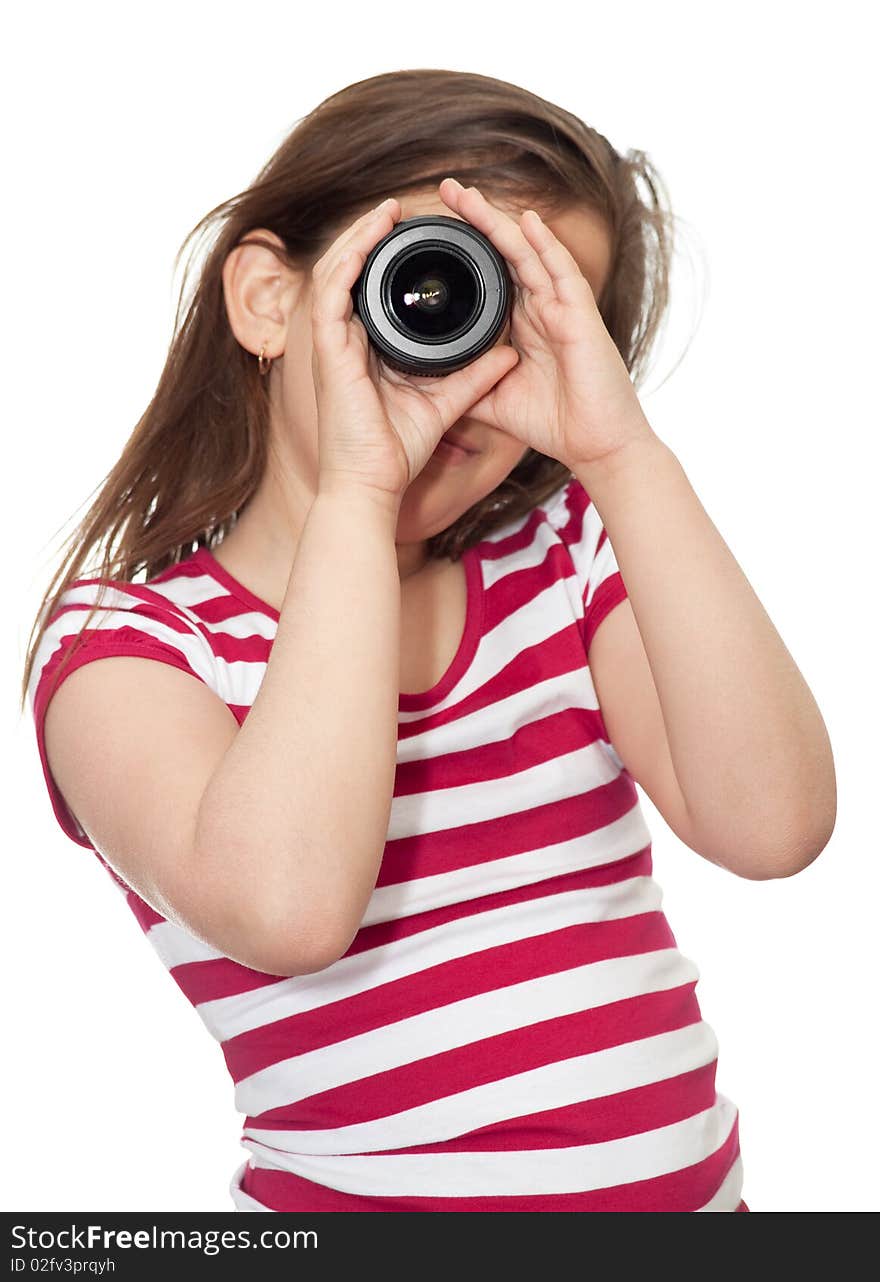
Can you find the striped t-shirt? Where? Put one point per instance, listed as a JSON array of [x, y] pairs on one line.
[[513, 1027]]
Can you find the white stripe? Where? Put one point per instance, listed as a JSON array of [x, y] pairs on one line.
[[115, 599], [461, 1023], [570, 774], [591, 567], [583, 553], [727, 1198], [729, 1194], [230, 1016], [558, 1085], [495, 722], [533, 554], [189, 592], [570, 592], [555, 507], [575, 1169], [177, 947], [602, 568], [617, 840]]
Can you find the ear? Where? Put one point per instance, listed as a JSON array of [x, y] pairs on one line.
[[260, 292]]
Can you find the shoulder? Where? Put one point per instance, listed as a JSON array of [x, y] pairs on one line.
[[110, 605], [571, 513], [97, 617], [575, 520]]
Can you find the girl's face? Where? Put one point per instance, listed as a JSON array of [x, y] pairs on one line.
[[268, 305]]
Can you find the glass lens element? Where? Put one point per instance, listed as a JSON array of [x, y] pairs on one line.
[[433, 292]]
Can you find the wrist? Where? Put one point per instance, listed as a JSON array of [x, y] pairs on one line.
[[353, 495], [636, 456]]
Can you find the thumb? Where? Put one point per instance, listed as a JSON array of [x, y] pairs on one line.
[[456, 393]]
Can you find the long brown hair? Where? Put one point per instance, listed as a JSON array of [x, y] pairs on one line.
[[198, 452]]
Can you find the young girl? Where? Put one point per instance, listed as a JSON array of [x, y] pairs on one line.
[[374, 799]]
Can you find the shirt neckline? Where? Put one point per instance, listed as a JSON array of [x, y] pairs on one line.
[[233, 585], [467, 646], [410, 701]]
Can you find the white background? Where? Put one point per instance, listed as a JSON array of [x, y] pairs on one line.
[[122, 127]]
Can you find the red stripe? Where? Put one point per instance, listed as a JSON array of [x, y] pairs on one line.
[[522, 832], [253, 648], [686, 1190], [520, 540], [484, 971], [592, 1121], [146, 916], [150, 605], [518, 588], [540, 741], [206, 563], [220, 977], [576, 502], [488, 1060], [639, 864], [608, 594], [612, 590]]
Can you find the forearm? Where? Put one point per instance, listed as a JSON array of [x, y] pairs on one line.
[[748, 743], [297, 812]]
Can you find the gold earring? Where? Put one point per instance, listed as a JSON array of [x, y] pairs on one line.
[[264, 364]]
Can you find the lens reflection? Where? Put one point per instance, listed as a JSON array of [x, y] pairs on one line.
[[433, 292]]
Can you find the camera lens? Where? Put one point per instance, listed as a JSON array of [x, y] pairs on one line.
[[433, 292], [433, 295]]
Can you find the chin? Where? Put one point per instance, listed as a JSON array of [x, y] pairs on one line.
[[431, 504]]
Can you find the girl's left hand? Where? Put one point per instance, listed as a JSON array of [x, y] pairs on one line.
[[570, 395]]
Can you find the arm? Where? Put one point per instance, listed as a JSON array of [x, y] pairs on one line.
[[741, 764], [299, 805]]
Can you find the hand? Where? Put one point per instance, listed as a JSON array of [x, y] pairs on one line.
[[570, 395], [378, 428]]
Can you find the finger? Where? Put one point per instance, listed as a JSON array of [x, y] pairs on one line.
[[504, 233], [459, 391], [373, 218], [568, 279], [332, 302]]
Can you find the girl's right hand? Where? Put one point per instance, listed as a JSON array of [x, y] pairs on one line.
[[377, 428]]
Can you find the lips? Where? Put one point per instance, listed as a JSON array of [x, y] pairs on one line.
[[454, 438]]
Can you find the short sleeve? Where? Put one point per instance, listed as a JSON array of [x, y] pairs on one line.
[[130, 620], [600, 584]]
